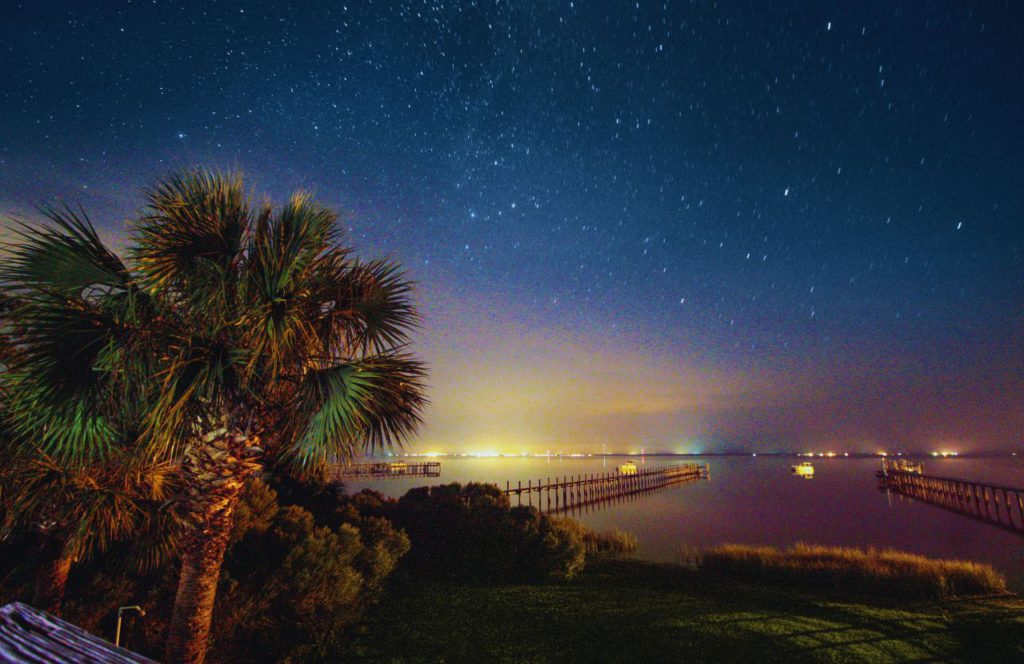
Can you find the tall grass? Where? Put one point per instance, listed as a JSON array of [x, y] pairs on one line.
[[610, 542], [613, 542], [895, 574]]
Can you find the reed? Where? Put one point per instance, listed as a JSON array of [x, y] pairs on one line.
[[613, 542], [895, 574]]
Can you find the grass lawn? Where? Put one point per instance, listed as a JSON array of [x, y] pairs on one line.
[[631, 611]]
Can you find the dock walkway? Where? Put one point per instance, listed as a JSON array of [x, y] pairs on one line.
[[1001, 506], [574, 491]]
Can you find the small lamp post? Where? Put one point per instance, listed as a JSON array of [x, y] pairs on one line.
[[120, 615]]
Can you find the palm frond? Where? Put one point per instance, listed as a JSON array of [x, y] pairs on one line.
[[285, 249], [372, 308], [342, 410], [122, 500], [74, 309], [74, 431], [198, 379], [66, 258], [90, 507], [63, 375], [193, 234]]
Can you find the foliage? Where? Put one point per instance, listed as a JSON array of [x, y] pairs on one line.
[[887, 572], [89, 508], [469, 532], [70, 511], [290, 588]]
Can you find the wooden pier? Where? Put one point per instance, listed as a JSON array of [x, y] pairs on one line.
[[573, 492], [388, 470], [1001, 506]]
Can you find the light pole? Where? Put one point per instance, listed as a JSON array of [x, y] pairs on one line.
[[120, 614]]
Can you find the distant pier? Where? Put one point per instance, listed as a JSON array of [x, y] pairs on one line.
[[1000, 506], [573, 492], [388, 470]]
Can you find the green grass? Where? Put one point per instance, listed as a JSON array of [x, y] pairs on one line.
[[864, 571], [629, 611]]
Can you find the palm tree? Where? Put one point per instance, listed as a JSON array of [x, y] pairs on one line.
[[79, 509], [77, 512], [248, 337]]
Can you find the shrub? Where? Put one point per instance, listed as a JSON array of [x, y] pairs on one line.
[[470, 533], [892, 573], [290, 585]]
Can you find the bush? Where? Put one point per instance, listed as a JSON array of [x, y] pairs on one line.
[[290, 585], [891, 573], [470, 533]]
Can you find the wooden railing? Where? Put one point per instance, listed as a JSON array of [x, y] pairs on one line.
[[1001, 506], [569, 493], [388, 469]]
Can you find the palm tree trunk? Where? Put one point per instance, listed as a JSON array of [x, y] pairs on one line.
[[52, 576], [215, 470]]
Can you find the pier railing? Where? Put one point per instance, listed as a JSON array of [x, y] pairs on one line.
[[572, 492], [388, 469], [1001, 506]]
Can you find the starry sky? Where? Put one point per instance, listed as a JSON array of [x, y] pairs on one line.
[[678, 226]]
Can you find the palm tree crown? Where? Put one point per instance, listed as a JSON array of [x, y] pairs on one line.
[[231, 312]]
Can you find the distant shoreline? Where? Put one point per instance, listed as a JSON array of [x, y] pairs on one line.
[[805, 455]]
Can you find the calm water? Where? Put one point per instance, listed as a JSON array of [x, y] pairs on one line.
[[755, 500]]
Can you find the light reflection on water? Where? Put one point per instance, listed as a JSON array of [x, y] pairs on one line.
[[755, 500]]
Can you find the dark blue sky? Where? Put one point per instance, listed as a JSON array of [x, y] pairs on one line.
[[678, 225]]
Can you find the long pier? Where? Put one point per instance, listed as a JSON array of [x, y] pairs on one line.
[[575, 491], [388, 469], [1001, 506]]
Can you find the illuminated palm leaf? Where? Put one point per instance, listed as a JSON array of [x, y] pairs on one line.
[[365, 307], [192, 236], [345, 409], [75, 305], [91, 507], [285, 249]]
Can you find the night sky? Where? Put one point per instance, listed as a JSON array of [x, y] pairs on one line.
[[681, 226]]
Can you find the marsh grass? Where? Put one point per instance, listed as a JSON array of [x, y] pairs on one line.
[[610, 543], [894, 574]]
